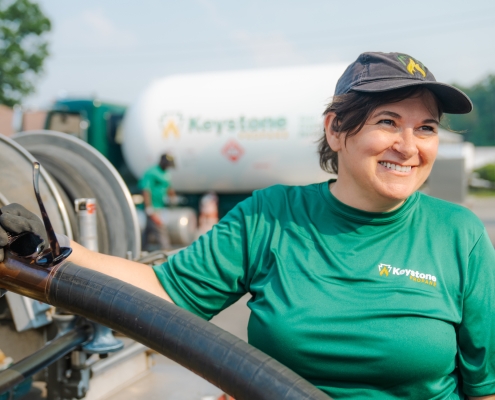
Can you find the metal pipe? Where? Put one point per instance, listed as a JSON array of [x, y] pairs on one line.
[[26, 279], [154, 256], [52, 351], [103, 365]]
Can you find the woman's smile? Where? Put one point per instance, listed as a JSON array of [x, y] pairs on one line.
[[391, 166]]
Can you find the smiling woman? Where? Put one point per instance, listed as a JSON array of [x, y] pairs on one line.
[[362, 285], [392, 153]]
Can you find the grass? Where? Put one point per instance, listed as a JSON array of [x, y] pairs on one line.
[[482, 192]]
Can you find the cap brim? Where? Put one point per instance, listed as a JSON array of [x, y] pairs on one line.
[[453, 100]]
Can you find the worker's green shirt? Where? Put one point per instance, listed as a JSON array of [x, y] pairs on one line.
[[156, 181], [363, 305]]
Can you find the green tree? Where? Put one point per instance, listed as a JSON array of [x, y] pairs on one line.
[[487, 172], [23, 48], [479, 125]]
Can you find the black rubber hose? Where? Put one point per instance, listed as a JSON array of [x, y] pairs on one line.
[[44, 357], [219, 357]]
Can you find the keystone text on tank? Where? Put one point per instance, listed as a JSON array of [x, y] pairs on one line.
[[241, 124]]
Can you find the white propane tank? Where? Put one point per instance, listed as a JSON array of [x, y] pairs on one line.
[[232, 132]]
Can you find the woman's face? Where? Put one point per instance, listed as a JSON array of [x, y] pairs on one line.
[[390, 157]]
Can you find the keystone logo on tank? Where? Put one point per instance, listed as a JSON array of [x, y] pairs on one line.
[[414, 275], [172, 124]]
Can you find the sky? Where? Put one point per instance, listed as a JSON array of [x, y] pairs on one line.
[[113, 49]]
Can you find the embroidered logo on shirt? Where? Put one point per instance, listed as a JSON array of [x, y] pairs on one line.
[[384, 269], [416, 276]]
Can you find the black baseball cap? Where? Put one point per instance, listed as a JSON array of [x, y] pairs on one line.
[[167, 161], [381, 72]]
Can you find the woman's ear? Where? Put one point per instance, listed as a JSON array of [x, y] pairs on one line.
[[333, 137]]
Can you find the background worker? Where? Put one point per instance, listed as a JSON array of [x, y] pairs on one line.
[[157, 194]]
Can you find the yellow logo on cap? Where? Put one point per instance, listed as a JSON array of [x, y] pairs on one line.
[[413, 66]]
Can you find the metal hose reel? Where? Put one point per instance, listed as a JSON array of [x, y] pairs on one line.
[[71, 169], [80, 171]]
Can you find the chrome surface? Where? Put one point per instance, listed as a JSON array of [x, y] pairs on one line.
[[83, 172], [16, 185]]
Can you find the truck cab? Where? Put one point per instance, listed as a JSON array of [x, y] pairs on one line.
[[98, 124]]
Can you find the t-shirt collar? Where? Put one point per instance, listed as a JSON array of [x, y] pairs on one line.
[[366, 217]]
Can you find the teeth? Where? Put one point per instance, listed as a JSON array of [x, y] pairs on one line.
[[396, 167]]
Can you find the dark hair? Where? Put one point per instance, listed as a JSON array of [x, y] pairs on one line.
[[353, 110]]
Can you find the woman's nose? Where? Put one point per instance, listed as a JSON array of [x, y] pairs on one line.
[[405, 144]]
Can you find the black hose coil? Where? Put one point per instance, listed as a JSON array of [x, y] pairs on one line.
[[219, 357]]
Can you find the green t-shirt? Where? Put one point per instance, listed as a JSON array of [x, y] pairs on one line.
[[157, 182], [363, 305]]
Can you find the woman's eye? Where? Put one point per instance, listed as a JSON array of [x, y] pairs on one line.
[[427, 128], [387, 122]]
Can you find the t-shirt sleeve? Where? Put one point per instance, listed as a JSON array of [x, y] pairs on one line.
[[477, 329], [211, 274], [145, 183], [165, 180]]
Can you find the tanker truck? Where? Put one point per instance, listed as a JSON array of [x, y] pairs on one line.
[[229, 132]]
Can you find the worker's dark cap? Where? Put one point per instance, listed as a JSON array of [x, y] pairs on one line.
[[380, 72], [167, 160]]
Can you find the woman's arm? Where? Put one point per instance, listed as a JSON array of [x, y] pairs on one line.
[[16, 219], [136, 274], [476, 331]]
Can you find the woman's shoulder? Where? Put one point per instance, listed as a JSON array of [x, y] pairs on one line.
[[452, 213]]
